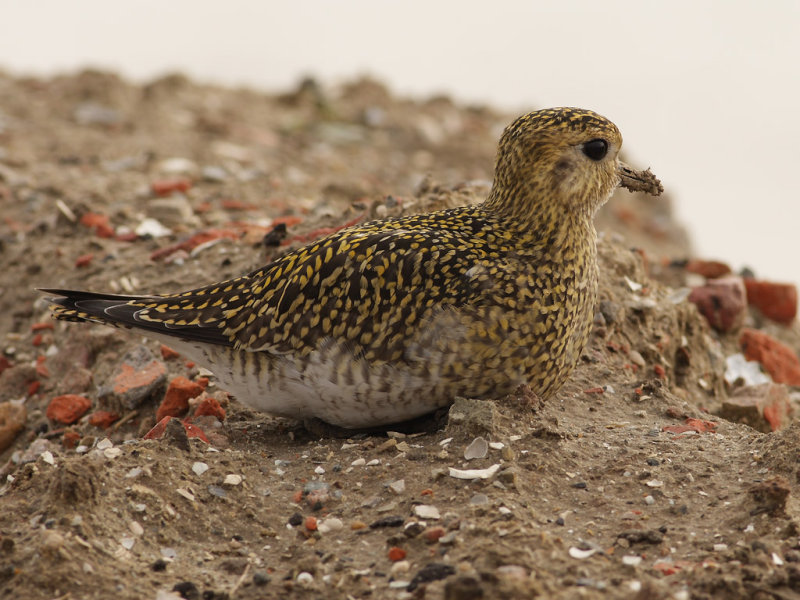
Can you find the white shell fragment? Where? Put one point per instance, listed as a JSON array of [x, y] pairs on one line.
[[474, 473], [478, 448]]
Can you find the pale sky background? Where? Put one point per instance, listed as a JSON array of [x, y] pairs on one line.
[[705, 92]]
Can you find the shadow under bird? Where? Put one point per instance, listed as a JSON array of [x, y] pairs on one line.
[[386, 321]]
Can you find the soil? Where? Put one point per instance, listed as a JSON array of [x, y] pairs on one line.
[[626, 485]]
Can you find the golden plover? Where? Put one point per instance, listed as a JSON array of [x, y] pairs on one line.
[[392, 319]]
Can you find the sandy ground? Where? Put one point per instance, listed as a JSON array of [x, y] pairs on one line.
[[626, 485]]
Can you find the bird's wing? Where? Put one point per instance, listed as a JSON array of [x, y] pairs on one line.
[[366, 287]]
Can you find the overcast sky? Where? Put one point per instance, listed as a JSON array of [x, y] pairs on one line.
[[705, 92]]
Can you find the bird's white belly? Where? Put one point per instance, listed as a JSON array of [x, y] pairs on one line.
[[328, 385]]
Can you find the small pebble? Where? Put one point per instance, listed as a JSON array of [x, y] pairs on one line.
[[127, 542], [232, 479], [199, 468], [319, 470], [47, 457], [632, 560], [330, 524], [401, 566], [426, 511], [359, 462], [649, 500], [305, 578], [136, 528], [104, 444], [479, 500], [112, 453], [261, 578], [398, 487]]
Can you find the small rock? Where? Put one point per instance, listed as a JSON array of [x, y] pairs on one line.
[[67, 409], [177, 166], [138, 377], [103, 418], [199, 468], [776, 301], [432, 534], [472, 417], [232, 479], [214, 174], [400, 567], [430, 572], [722, 302], [152, 228], [778, 359], [765, 407], [479, 500], [426, 511], [398, 487], [479, 448], [330, 524]]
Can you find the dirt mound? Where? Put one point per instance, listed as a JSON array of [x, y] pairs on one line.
[[627, 484]]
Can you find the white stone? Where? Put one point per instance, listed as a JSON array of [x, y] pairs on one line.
[[199, 468], [232, 479], [426, 511]]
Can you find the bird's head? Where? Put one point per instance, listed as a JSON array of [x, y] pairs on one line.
[[562, 159]]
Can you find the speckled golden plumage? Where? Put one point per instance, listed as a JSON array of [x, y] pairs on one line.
[[388, 320]]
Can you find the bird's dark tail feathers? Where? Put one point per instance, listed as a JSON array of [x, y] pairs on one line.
[[123, 311]]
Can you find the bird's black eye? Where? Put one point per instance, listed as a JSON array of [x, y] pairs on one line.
[[596, 149]]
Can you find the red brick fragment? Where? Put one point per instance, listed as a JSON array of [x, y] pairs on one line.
[[692, 424], [776, 301], [176, 400], [168, 353], [4, 363], [42, 326], [660, 372], [84, 260], [594, 390], [103, 418], [722, 302], [70, 439], [165, 187], [41, 368], [764, 407], [710, 269], [130, 377], [210, 406], [192, 431], [232, 204], [396, 554], [37, 339], [311, 523], [100, 224], [778, 359], [33, 387], [194, 241], [432, 534], [68, 408]]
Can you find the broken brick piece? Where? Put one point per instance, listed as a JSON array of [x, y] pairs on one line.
[[776, 301], [778, 359], [68, 408], [176, 400]]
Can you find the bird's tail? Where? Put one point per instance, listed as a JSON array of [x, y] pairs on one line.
[[128, 312]]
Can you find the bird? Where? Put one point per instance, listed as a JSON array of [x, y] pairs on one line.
[[389, 320]]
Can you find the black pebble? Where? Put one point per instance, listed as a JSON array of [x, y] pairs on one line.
[[187, 590], [159, 565], [296, 519]]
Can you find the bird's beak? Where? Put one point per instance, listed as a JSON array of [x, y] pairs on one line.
[[639, 181]]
